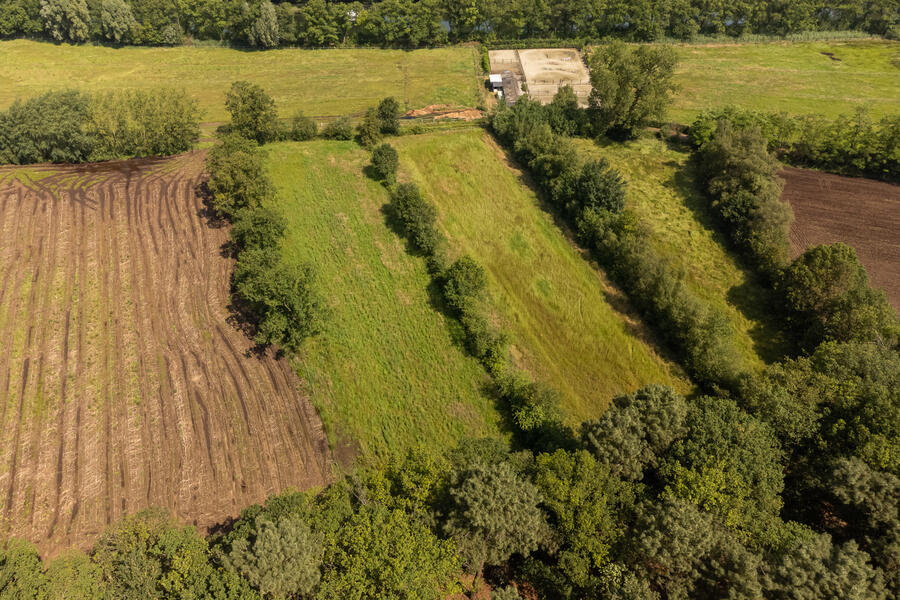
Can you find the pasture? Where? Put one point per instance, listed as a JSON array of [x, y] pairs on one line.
[[569, 327], [661, 191], [122, 383], [862, 213], [322, 83], [385, 375], [830, 78]]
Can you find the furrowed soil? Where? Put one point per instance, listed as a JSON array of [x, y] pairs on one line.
[[862, 213], [122, 383]]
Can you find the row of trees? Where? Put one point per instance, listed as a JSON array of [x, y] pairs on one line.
[[279, 298], [414, 23], [855, 144], [73, 127]]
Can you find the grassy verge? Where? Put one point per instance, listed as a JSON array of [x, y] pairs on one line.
[[795, 77], [319, 82], [556, 306], [386, 372], [661, 191]]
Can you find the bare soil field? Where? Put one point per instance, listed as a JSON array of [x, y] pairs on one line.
[[122, 383], [862, 213]]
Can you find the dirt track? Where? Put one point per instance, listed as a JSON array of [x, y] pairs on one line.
[[122, 384], [862, 213]]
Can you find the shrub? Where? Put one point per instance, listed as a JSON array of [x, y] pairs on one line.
[[385, 162], [48, 128], [418, 217], [142, 123], [369, 130], [303, 128], [600, 187], [740, 177], [464, 285], [388, 113], [261, 227], [237, 178], [828, 296], [280, 298], [340, 129], [252, 112]]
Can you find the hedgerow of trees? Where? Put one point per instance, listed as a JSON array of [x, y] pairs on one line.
[[73, 127], [410, 23]]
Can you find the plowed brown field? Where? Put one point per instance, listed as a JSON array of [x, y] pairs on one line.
[[862, 213], [122, 383]]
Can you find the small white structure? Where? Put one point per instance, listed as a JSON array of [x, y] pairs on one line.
[[496, 82]]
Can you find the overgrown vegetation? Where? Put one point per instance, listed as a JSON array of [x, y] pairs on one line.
[[74, 127], [848, 145]]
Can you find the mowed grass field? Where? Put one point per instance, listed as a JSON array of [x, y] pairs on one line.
[[661, 191], [556, 306], [794, 77], [319, 82], [385, 373]]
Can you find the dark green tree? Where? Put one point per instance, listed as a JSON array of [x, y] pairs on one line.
[[631, 86], [827, 292], [464, 284], [252, 112], [237, 177], [281, 559], [48, 128], [264, 32], [495, 514], [281, 297], [418, 217], [385, 163], [261, 227], [73, 575], [389, 112], [636, 430], [599, 188], [303, 128], [369, 130]]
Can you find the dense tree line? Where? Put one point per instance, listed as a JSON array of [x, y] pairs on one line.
[[415, 23], [74, 127], [854, 144], [280, 299]]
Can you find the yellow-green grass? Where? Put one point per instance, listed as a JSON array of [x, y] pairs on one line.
[[319, 82], [555, 305], [386, 373], [662, 192], [794, 77]]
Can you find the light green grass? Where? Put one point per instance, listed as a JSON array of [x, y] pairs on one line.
[[555, 305], [385, 372], [319, 82], [662, 192], [794, 77]]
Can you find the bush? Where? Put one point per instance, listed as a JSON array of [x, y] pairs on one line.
[[369, 130], [740, 177], [48, 128], [388, 113], [303, 128], [418, 218], [464, 285], [252, 112], [340, 129], [143, 123], [261, 227], [237, 178], [280, 298], [385, 162], [599, 188], [828, 297]]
